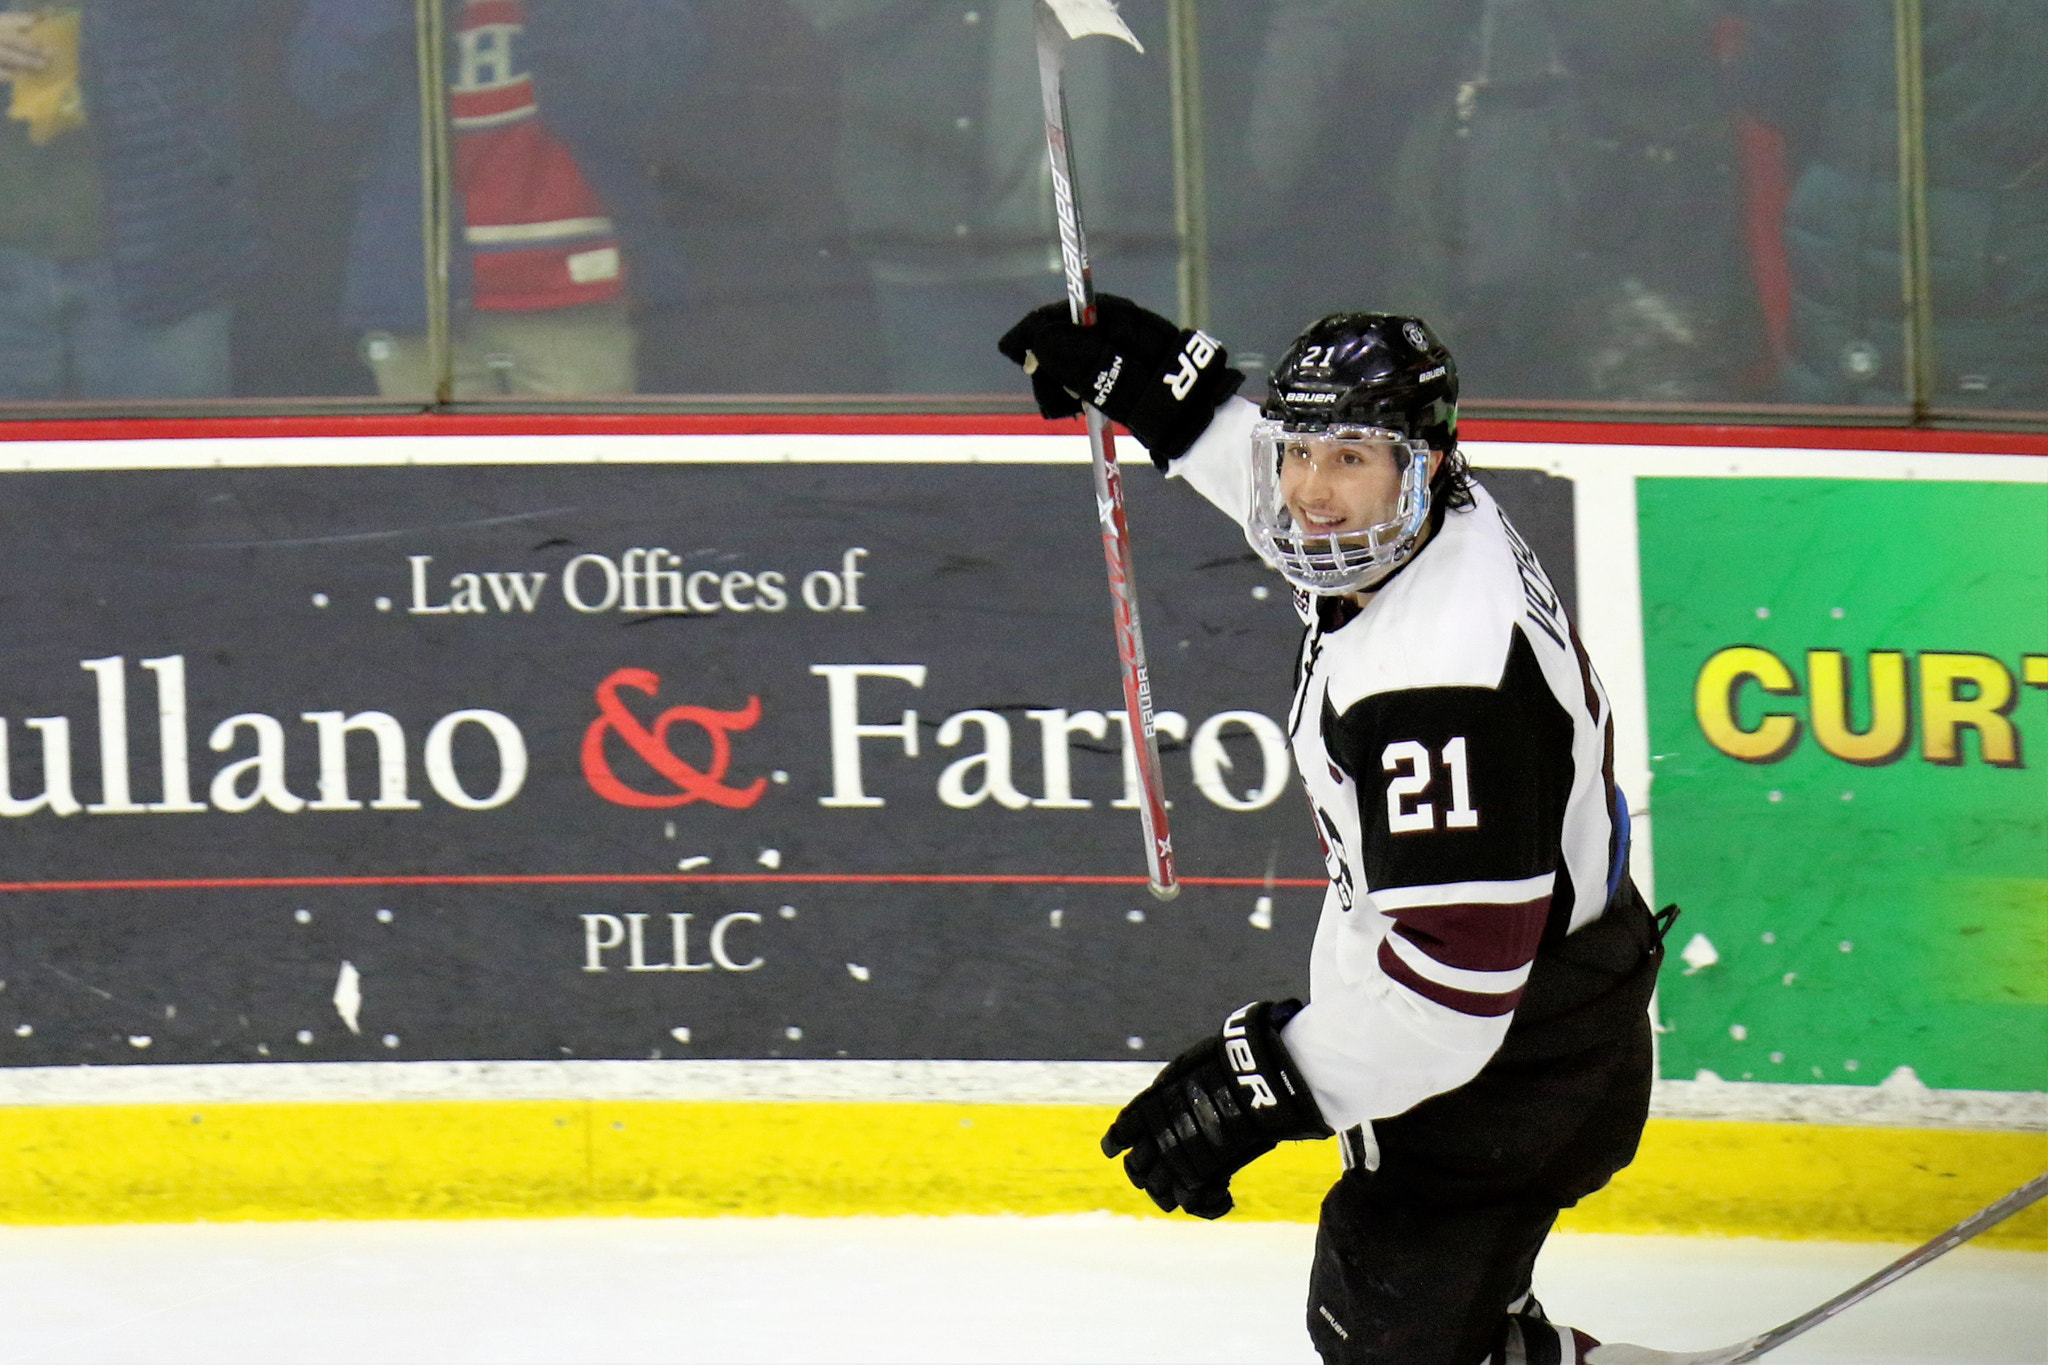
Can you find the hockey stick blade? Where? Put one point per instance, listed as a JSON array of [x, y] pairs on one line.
[[1989, 1216], [1083, 18]]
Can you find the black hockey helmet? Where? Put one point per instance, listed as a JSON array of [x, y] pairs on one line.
[[1368, 370]]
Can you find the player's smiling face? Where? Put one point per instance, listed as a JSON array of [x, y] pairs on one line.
[[1335, 487]]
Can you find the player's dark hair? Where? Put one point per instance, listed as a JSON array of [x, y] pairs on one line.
[[1452, 486]]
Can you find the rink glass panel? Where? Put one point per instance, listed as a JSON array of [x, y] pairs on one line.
[[1987, 208], [1682, 209], [1869, 862]]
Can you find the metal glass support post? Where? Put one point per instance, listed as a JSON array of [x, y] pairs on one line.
[[437, 180], [1190, 173], [1915, 283]]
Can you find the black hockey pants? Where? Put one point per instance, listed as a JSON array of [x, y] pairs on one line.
[[1417, 1261]]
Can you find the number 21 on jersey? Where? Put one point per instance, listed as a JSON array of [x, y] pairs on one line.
[[1410, 761]]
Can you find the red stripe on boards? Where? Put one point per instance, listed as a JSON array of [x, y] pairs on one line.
[[472, 423], [469, 422]]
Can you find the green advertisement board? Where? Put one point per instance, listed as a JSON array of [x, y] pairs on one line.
[[1848, 695]]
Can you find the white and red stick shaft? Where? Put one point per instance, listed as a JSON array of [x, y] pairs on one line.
[[1056, 22]]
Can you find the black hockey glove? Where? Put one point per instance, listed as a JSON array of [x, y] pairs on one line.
[[1163, 382], [1220, 1105]]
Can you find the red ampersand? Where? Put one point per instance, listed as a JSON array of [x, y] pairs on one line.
[[652, 746]]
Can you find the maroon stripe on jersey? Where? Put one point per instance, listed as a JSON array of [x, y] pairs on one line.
[[1586, 676], [1476, 938], [1464, 1002]]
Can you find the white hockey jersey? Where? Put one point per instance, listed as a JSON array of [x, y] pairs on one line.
[[1458, 753]]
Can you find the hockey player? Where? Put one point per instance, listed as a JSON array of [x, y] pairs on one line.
[[1477, 1031]]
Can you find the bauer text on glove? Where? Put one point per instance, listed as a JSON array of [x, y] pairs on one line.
[[1223, 1103], [1163, 382]]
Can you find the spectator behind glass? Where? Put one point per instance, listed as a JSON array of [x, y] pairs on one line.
[[122, 227], [559, 230], [943, 171], [1561, 200], [777, 302], [1822, 74], [1322, 94]]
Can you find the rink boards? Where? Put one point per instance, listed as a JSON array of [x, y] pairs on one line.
[[445, 767]]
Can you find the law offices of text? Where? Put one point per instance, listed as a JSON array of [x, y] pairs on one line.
[[639, 580]]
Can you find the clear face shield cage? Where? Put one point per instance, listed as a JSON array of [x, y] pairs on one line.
[[1344, 561]]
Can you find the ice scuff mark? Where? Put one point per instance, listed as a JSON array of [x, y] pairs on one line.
[[348, 996], [358, 537], [83, 985], [692, 864]]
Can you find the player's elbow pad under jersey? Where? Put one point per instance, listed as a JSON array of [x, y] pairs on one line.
[[1218, 465]]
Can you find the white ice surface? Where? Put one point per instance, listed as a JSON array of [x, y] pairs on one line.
[[1090, 1288]]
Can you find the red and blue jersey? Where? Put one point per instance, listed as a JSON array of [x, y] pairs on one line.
[[538, 235]]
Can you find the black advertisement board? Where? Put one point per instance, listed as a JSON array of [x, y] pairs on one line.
[[626, 761]]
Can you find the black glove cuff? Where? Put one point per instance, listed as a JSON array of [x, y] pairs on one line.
[[1272, 1089], [1171, 411], [1162, 381]]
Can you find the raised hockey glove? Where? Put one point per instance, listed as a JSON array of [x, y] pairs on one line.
[[1220, 1105], [1163, 382]]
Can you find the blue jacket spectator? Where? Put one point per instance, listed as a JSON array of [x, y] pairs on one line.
[[601, 69], [158, 78]]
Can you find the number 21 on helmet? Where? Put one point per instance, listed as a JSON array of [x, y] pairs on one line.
[[1341, 470]]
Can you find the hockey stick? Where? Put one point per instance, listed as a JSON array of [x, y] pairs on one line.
[[1058, 21], [1749, 1350]]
